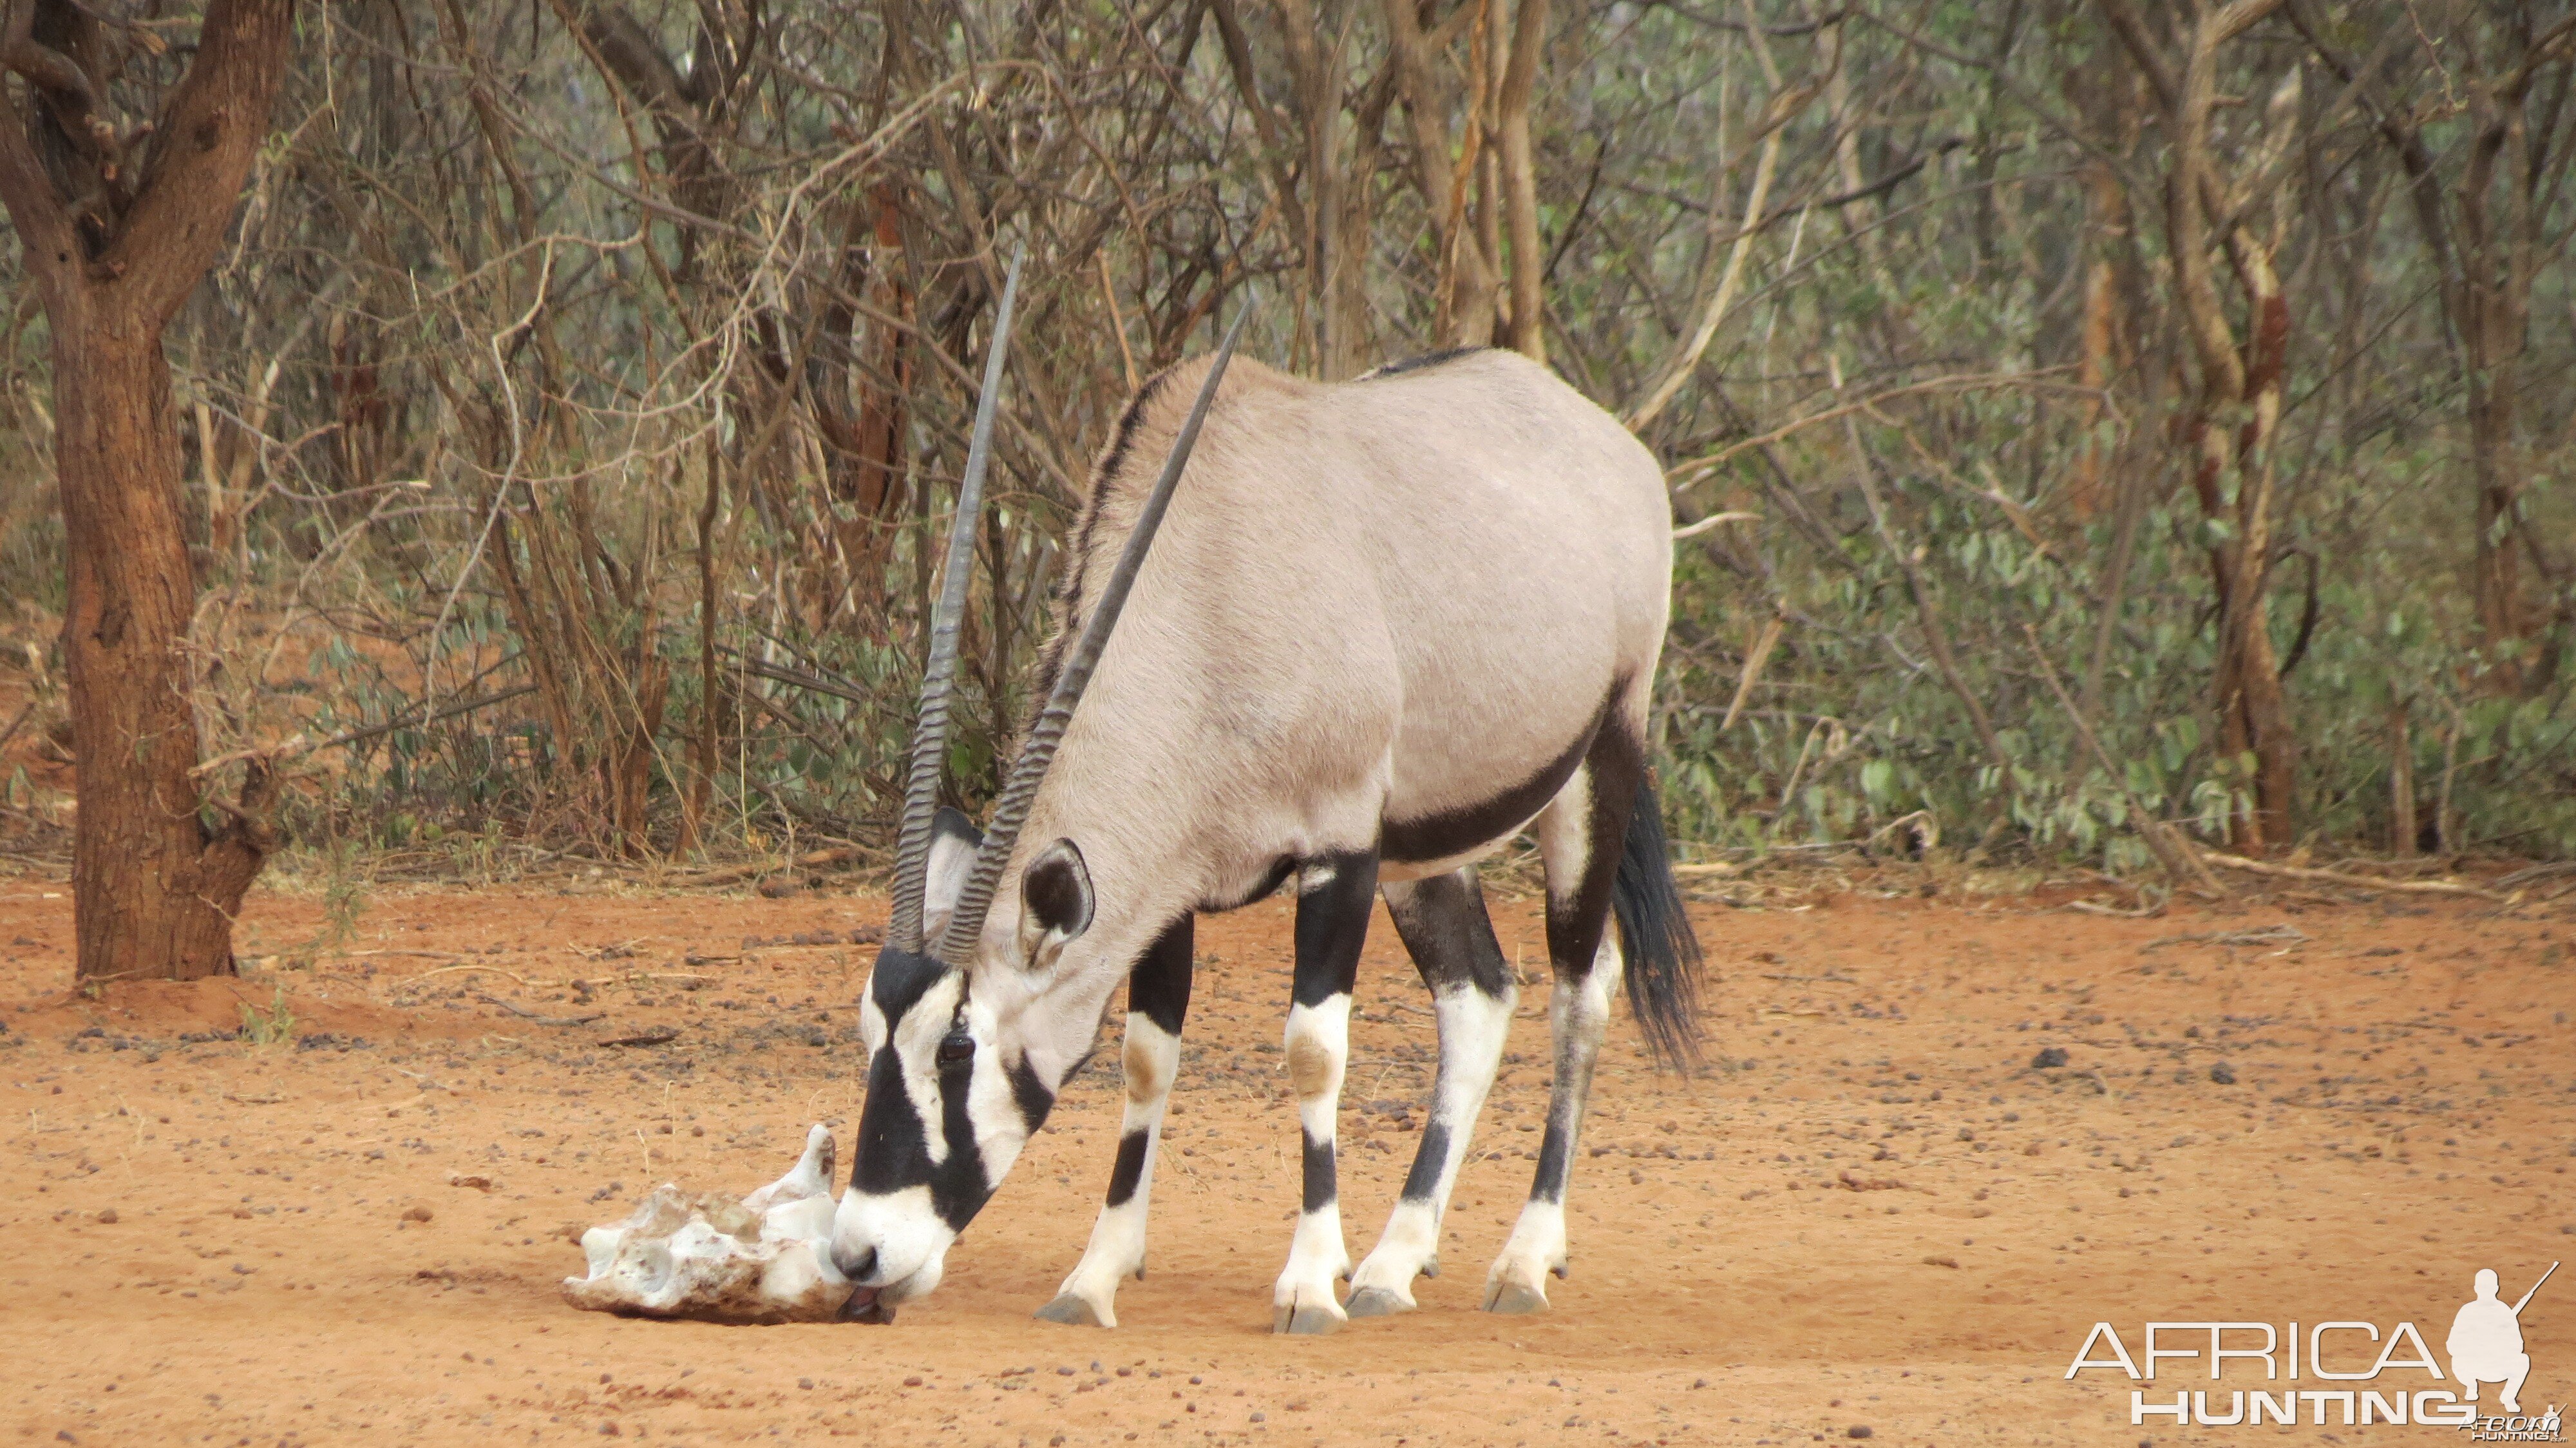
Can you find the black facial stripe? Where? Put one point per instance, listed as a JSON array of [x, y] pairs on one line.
[[890, 1148], [959, 1185], [1424, 1180], [900, 980], [893, 1147], [1130, 1168], [1034, 1096], [1320, 1190], [1446, 833]]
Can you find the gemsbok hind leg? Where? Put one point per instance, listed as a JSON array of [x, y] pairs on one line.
[[1158, 998], [1444, 925], [1580, 836], [1333, 902]]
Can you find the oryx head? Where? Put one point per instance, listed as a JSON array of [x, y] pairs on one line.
[[968, 1038]]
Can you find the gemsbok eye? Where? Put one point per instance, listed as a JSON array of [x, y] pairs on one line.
[[955, 1049]]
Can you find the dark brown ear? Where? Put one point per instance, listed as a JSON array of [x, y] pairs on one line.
[[1055, 900]]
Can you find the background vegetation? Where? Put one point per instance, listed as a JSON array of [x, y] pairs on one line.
[[2077, 413]]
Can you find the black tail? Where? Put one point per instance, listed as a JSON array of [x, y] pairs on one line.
[[1655, 939]]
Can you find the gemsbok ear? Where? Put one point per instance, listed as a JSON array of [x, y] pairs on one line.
[[1055, 901], [953, 839]]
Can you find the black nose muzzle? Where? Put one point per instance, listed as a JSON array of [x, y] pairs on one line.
[[860, 1268]]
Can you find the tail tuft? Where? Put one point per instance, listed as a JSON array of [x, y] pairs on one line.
[[1655, 940]]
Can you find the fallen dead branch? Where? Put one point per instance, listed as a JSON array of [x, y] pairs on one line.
[[2147, 911], [2264, 935], [2357, 882], [524, 982], [524, 1013], [658, 1036], [813, 859]]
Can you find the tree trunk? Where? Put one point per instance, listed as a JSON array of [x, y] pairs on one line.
[[1520, 181], [116, 233], [154, 888], [2238, 391]]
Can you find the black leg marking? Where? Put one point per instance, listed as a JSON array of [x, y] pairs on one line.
[[1443, 922], [1332, 925], [1131, 1166], [1445, 928], [1334, 898], [1322, 1190], [1158, 1000], [1582, 836], [1159, 987], [1428, 1163]]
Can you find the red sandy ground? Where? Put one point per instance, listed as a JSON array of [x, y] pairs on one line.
[[2404, 1104]]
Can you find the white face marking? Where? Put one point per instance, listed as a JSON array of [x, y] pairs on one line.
[[916, 1046]]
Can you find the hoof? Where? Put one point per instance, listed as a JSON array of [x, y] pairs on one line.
[[1072, 1311], [1305, 1322], [1375, 1302], [1513, 1300]]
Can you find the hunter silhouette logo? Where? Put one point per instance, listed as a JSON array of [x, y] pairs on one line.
[[2363, 1377], [2486, 1341]]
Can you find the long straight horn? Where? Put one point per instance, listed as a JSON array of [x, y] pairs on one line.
[[1012, 809], [930, 734]]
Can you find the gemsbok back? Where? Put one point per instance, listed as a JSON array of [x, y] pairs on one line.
[[1384, 626]]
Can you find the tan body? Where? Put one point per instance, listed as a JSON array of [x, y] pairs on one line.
[[1372, 602]]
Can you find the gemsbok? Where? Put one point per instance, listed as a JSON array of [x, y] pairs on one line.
[[1383, 627]]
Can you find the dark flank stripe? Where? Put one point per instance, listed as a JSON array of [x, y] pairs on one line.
[[1320, 1191], [1424, 1179], [1130, 1168], [1455, 831]]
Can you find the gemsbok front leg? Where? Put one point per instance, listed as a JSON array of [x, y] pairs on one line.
[[1333, 902], [1444, 925], [1158, 999], [1580, 838]]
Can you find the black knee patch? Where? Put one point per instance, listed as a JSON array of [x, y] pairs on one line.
[[1159, 987], [1332, 925], [1445, 928]]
